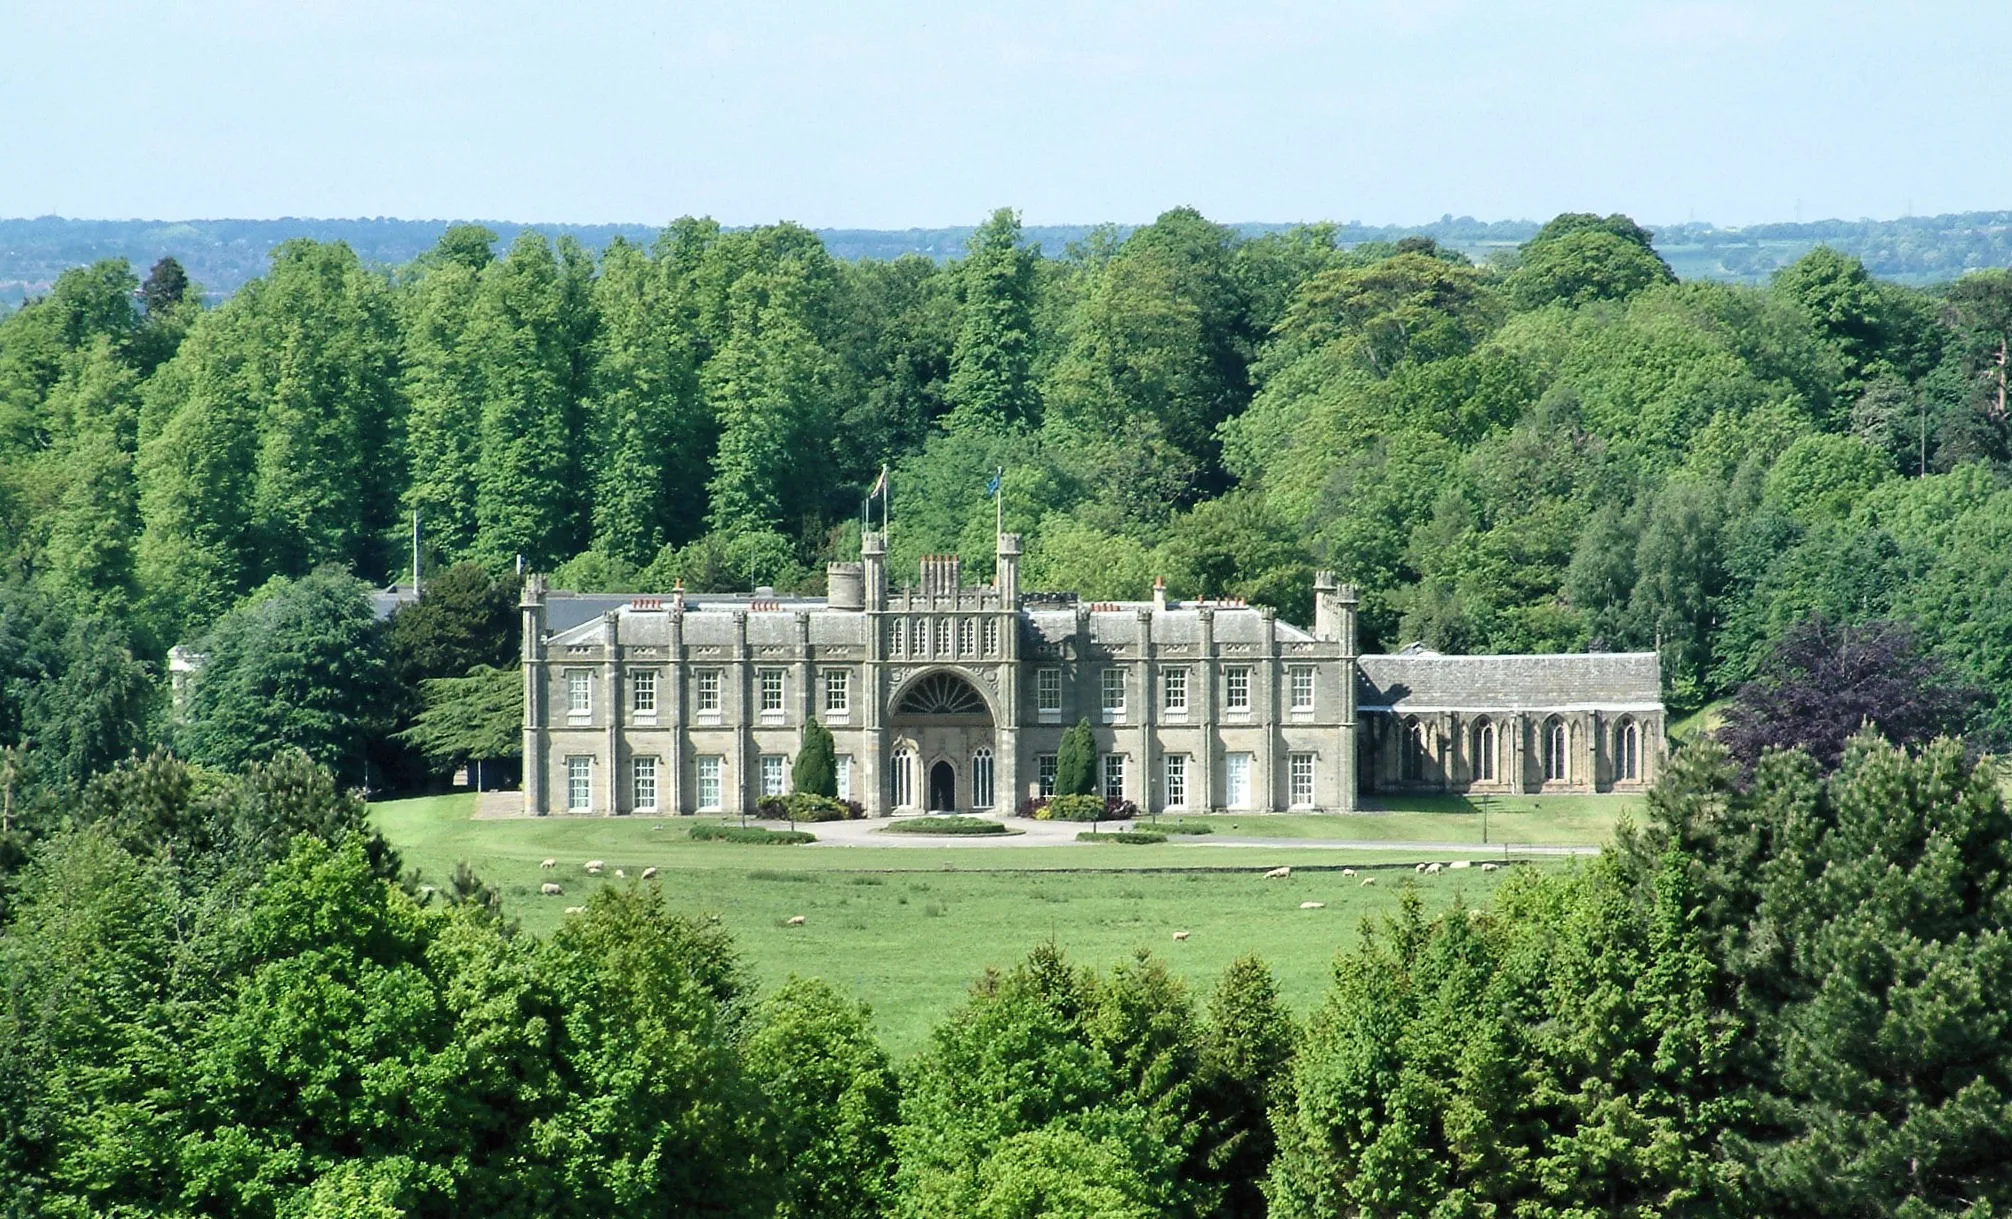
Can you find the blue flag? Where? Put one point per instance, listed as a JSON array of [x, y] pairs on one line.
[[992, 488]]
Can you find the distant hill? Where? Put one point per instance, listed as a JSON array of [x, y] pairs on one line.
[[223, 254]]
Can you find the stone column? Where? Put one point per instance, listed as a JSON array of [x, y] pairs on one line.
[[1203, 781], [611, 679], [671, 779], [1149, 798], [1268, 678], [740, 785], [1519, 753], [535, 703]]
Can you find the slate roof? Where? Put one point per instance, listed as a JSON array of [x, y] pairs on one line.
[[1417, 680]]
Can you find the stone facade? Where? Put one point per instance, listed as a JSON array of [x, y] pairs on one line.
[[954, 696]]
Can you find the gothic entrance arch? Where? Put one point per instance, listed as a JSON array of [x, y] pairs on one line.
[[942, 722]]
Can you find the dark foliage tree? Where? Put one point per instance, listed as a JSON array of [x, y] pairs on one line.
[[816, 767], [1076, 761]]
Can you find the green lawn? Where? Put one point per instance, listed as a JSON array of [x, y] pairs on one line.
[[1516, 820], [907, 928]]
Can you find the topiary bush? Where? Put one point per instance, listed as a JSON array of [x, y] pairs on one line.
[[1076, 761]]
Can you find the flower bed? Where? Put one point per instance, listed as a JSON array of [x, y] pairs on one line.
[[804, 806]]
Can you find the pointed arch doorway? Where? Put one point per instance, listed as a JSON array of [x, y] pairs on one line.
[[943, 722], [942, 788]]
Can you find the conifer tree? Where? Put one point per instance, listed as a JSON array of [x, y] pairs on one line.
[[1076, 762], [816, 768]]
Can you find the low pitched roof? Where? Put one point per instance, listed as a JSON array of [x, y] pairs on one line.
[[1419, 680]]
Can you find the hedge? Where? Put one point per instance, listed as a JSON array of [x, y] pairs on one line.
[[808, 806], [943, 825], [1079, 808], [1134, 837], [750, 833]]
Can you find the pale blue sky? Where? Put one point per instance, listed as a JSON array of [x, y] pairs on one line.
[[886, 115]]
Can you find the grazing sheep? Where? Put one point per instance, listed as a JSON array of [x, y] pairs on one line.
[[621, 875], [1313, 905], [548, 864], [550, 890], [594, 866], [1180, 936], [1348, 871], [1487, 867], [1433, 869], [795, 920], [1368, 881], [576, 910], [649, 873], [1419, 868], [1279, 874], [1461, 863]]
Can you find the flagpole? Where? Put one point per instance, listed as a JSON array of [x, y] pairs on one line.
[[999, 505]]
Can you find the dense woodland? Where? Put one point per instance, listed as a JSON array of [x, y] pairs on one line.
[[1780, 994]]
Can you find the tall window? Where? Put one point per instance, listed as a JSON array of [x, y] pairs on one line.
[[897, 638], [579, 783], [643, 784], [1299, 779], [981, 779], [1048, 690], [1114, 693], [579, 692], [1413, 761], [1044, 773], [1177, 780], [1628, 751], [706, 691], [1301, 688], [709, 783], [1237, 780], [1175, 682], [1114, 776], [991, 636], [837, 691], [1237, 689], [643, 691], [1484, 752], [942, 637], [772, 774], [771, 691], [1557, 751], [904, 779], [967, 637], [844, 771]]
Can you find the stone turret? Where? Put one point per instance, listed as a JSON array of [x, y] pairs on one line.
[[1006, 575]]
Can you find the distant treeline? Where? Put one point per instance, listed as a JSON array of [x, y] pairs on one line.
[[222, 254]]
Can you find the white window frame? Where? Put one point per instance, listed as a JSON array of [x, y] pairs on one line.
[[981, 778], [643, 692], [991, 636], [1300, 688], [1628, 752], [1111, 776], [843, 769], [579, 782], [838, 692], [706, 691], [1175, 768], [967, 637], [904, 778], [579, 693], [1048, 692], [1174, 686], [1111, 693], [643, 771], [1237, 768], [774, 775], [1045, 770], [772, 681], [1299, 779], [1237, 690], [709, 787]]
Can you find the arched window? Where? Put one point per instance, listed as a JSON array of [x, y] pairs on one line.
[[1484, 752], [981, 779], [904, 779], [967, 637], [1557, 751], [942, 637], [1413, 762], [1628, 751], [991, 636]]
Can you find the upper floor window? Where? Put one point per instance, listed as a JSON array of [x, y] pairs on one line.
[[643, 691], [1302, 688], [991, 636], [837, 691], [1557, 751], [706, 690], [967, 637], [1114, 692], [771, 691], [1175, 682], [1237, 689], [579, 692], [1048, 690]]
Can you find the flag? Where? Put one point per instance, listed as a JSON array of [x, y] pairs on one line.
[[992, 487], [879, 484]]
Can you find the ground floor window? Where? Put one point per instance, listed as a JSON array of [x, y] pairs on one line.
[[643, 784], [1628, 751], [1237, 780], [1557, 752], [981, 779], [904, 779], [1177, 780], [773, 774], [844, 769], [709, 783], [1044, 774], [579, 783], [1114, 776], [1299, 778], [1484, 752]]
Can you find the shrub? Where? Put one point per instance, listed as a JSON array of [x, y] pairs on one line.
[[816, 769], [1076, 761], [1032, 806], [1074, 808], [944, 825], [1117, 808], [1183, 827], [750, 833], [1134, 837], [772, 807], [808, 806]]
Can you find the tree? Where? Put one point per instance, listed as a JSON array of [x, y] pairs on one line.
[[816, 768], [1246, 1059], [990, 367], [1585, 265], [463, 618], [299, 665], [770, 388], [834, 1099], [164, 288], [475, 718], [443, 372], [1076, 761], [1825, 681]]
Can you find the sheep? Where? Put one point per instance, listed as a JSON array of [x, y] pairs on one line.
[[1487, 867], [1368, 881], [1419, 868], [794, 920], [621, 875], [1313, 905], [1348, 871], [548, 864], [1180, 936], [550, 890], [594, 866], [1461, 863], [576, 910], [1433, 869], [649, 873], [1279, 874]]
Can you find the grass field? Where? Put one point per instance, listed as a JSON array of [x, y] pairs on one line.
[[906, 927]]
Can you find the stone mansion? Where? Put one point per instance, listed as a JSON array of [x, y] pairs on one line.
[[954, 696]]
